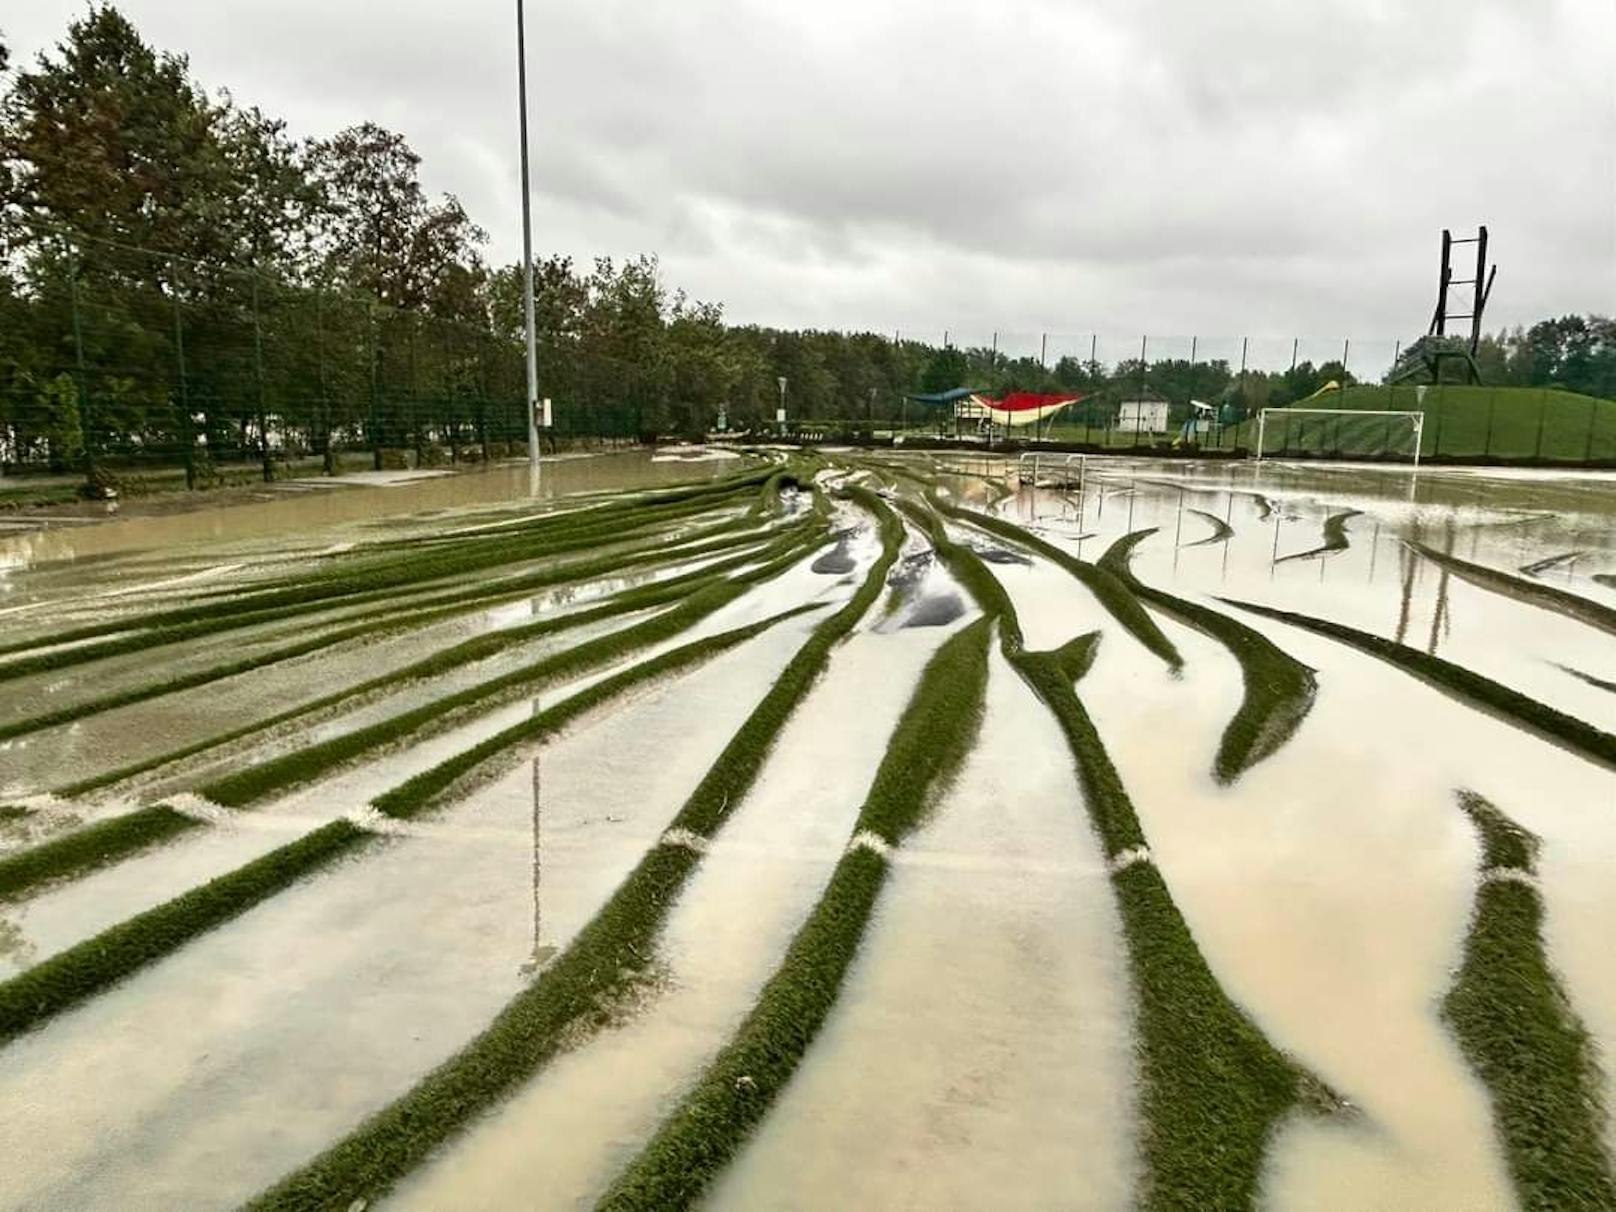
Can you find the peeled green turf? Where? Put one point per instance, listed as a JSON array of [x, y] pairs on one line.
[[603, 963], [85, 969], [731, 1097], [1113, 594], [1222, 532], [401, 574], [310, 762], [1598, 683], [483, 645], [83, 850], [1468, 687], [1278, 689], [71, 976], [1335, 537], [1518, 1030], [1573, 606], [1213, 1086], [416, 794]]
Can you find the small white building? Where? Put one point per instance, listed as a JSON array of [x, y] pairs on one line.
[[1142, 416]]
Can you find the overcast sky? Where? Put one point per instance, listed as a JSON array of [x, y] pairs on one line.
[[1270, 167]]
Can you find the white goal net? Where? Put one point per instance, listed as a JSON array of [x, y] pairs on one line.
[[1340, 432]]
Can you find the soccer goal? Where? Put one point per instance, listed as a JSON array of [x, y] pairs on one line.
[[1341, 431]]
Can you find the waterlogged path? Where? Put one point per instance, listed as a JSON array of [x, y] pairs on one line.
[[816, 831]]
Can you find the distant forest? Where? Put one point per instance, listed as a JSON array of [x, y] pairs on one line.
[[171, 258]]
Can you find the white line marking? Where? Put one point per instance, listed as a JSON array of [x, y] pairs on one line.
[[865, 839], [685, 838], [1124, 859]]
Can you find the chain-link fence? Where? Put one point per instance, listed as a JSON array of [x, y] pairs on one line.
[[116, 360]]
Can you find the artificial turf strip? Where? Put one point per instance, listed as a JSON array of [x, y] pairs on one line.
[[714, 1119], [1112, 593], [402, 575], [71, 976], [1517, 1028], [1540, 566], [1278, 689], [303, 765], [115, 953], [1213, 1086], [1535, 593], [473, 649], [1468, 687], [606, 959], [1597, 683], [1222, 532], [425, 790], [1335, 537], [96, 845], [135, 638]]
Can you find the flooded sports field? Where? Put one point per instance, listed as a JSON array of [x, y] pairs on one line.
[[800, 830]]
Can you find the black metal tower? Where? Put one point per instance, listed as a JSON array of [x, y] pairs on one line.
[[1426, 356]]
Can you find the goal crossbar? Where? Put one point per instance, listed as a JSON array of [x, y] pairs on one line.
[[1417, 418]]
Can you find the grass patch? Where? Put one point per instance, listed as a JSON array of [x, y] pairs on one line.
[[1112, 593], [1517, 1028], [1535, 593], [81, 971], [607, 958], [732, 1096], [1503, 423], [84, 850], [1278, 689], [1463, 684], [1335, 538]]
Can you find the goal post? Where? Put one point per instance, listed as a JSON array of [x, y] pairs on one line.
[[1416, 420]]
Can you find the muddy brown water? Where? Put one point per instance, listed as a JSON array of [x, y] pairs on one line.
[[980, 1053]]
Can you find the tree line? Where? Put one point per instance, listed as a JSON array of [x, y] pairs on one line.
[[179, 276]]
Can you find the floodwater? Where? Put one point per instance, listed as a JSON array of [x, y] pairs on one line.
[[981, 1050]]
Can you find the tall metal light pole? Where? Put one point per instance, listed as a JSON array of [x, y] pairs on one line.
[[527, 263]]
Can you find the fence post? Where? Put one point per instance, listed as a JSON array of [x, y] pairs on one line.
[[258, 382], [1542, 408], [1195, 343], [1144, 343], [1244, 400], [415, 395], [186, 435], [374, 425], [1492, 402], [86, 412], [1088, 413], [328, 459]]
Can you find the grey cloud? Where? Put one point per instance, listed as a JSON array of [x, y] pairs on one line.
[[1258, 165]]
